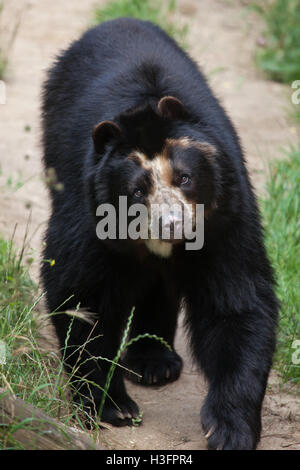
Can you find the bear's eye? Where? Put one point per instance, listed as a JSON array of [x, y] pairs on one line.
[[184, 179], [138, 193]]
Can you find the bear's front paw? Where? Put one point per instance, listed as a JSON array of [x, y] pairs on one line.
[[154, 368], [227, 430], [119, 412]]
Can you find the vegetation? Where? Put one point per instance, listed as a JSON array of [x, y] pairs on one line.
[[150, 10], [280, 58], [29, 372], [281, 209]]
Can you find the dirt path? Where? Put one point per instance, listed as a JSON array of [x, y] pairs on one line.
[[222, 38]]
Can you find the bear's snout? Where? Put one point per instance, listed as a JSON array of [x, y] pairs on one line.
[[171, 227]]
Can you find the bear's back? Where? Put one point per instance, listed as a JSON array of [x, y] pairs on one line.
[[116, 66]]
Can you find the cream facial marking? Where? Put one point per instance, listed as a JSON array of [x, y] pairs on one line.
[[163, 192], [160, 248]]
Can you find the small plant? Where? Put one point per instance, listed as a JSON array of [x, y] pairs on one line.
[[281, 210], [280, 56], [29, 371], [12, 183], [16, 184], [148, 10]]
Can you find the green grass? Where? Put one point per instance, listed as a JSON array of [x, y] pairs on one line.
[[151, 10], [31, 372], [281, 215], [295, 114], [280, 58]]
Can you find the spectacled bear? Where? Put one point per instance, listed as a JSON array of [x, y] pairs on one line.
[[126, 112]]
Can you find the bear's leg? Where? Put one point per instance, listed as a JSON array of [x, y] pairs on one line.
[[152, 360], [85, 343], [234, 350]]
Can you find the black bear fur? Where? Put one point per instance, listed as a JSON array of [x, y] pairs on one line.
[[119, 71]]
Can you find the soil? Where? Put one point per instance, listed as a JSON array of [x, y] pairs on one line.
[[222, 38]]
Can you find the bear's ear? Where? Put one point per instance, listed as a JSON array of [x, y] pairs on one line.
[[172, 108], [103, 133]]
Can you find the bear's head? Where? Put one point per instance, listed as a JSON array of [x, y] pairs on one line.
[[153, 156]]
